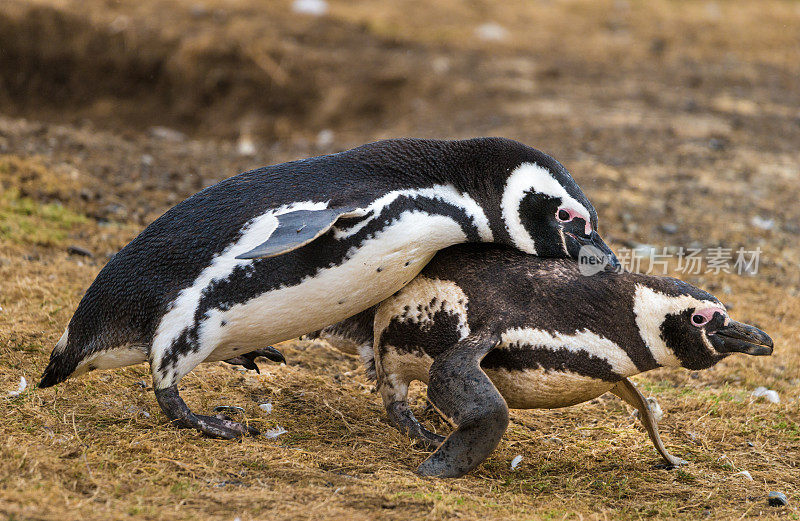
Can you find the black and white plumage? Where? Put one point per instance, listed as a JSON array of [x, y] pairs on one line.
[[274, 253], [488, 328]]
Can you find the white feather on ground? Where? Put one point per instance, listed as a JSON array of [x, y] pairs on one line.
[[515, 462], [23, 383], [274, 433]]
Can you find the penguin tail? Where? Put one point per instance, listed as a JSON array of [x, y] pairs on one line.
[[55, 373], [84, 353], [61, 365]]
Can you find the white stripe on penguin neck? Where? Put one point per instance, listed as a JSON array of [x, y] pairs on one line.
[[445, 193], [530, 177], [650, 308], [581, 341]]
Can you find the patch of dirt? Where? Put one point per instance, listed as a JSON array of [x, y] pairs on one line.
[[206, 70]]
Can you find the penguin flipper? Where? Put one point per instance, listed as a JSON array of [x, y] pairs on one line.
[[298, 228], [630, 394], [461, 391]]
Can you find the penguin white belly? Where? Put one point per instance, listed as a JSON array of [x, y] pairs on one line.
[[372, 272], [540, 389], [112, 358], [522, 389]]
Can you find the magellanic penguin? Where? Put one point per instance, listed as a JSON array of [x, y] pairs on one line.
[[489, 329], [280, 251]]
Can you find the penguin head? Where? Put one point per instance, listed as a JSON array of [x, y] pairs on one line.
[[684, 326], [546, 213]]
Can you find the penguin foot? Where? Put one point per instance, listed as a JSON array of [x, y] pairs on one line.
[[248, 360], [675, 463], [221, 426], [629, 393], [218, 426], [403, 419]]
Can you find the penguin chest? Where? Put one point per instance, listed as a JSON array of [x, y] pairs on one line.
[[371, 272], [542, 369], [543, 389]]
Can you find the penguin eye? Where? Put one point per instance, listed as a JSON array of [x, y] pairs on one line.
[[701, 317], [699, 320], [564, 216]]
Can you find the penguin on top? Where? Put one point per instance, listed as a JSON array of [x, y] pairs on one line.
[[488, 329], [280, 251]]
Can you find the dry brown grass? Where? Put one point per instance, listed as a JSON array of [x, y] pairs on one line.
[[631, 96], [98, 447]]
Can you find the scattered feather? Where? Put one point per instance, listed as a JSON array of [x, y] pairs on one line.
[[266, 407], [23, 383], [725, 462], [274, 433], [515, 462], [746, 475]]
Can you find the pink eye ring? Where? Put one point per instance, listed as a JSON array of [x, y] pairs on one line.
[[701, 317], [565, 215]]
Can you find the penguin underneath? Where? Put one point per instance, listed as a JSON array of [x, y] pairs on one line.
[[277, 252], [488, 329]]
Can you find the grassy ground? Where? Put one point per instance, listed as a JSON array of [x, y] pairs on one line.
[[679, 113]]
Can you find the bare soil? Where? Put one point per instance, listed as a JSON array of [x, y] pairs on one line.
[[667, 112]]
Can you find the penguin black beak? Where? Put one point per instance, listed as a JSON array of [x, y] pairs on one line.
[[743, 338], [594, 240]]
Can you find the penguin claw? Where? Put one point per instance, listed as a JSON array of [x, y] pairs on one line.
[[401, 417], [218, 426], [247, 360], [674, 464], [222, 426], [428, 441], [244, 362]]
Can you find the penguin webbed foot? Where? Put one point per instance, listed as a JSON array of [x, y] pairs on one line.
[[401, 417], [222, 426], [663, 465], [218, 426], [248, 360], [630, 394]]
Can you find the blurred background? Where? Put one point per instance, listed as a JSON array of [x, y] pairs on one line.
[[679, 119]]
